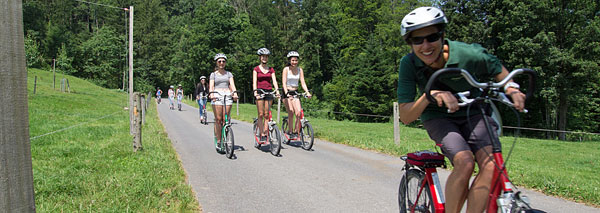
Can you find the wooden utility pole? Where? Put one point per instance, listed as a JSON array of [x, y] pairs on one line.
[[16, 174], [126, 50], [131, 69]]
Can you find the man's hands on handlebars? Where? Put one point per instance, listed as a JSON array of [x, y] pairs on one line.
[[518, 98], [447, 98]]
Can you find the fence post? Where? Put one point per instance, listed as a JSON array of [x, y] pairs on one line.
[[278, 108], [137, 122], [396, 124], [62, 85], [68, 86], [144, 104], [148, 99], [54, 73], [35, 84]]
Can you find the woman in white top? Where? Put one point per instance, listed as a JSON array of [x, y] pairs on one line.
[[171, 93], [221, 81], [291, 77], [179, 93]]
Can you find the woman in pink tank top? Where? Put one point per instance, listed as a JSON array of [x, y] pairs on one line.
[[263, 77]]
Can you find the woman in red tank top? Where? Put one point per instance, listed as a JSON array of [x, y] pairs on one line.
[[263, 77]]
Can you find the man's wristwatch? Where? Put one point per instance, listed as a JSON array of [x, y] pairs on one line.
[[511, 84]]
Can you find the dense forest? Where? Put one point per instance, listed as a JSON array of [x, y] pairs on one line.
[[350, 49]]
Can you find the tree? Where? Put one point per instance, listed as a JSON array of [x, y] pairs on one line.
[[64, 61], [316, 39], [560, 50], [32, 51], [153, 45], [104, 54], [16, 187], [366, 64]]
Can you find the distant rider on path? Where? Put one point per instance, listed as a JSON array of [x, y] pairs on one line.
[[158, 94], [179, 93], [201, 91], [171, 94]]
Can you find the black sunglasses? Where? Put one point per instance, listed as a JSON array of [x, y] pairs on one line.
[[221, 61], [430, 38]]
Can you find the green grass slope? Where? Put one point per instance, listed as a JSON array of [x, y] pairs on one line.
[[91, 166]]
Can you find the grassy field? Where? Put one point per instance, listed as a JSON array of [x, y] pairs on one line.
[[564, 169], [91, 167]]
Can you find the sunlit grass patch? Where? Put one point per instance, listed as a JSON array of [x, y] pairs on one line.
[[91, 165]]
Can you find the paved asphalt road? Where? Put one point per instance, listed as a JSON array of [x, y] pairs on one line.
[[330, 178]]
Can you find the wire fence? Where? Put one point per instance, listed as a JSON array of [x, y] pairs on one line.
[[76, 125], [349, 113], [506, 127], [551, 130]]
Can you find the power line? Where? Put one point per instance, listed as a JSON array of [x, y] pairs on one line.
[[87, 2]]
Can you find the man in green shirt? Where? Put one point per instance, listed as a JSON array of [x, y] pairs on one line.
[[445, 122]]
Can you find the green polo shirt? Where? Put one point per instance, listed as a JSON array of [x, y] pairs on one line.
[[473, 58]]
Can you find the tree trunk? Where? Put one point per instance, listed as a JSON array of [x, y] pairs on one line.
[[16, 175], [562, 113]]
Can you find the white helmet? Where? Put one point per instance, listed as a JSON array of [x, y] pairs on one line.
[[420, 18], [220, 55], [202, 77], [263, 51], [171, 86], [293, 54]]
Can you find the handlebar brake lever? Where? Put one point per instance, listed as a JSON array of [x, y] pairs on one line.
[[462, 99], [504, 99]]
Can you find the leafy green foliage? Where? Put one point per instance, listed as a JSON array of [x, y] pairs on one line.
[[560, 50], [350, 49], [104, 53], [33, 55]]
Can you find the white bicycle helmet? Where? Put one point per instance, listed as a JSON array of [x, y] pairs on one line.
[[171, 87], [263, 51], [220, 55], [202, 77], [293, 54], [420, 18]]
